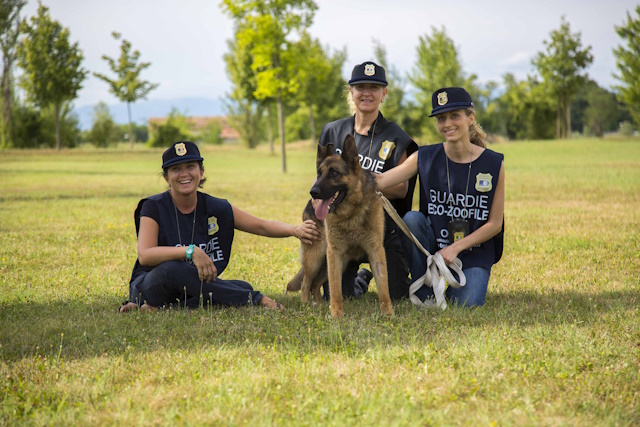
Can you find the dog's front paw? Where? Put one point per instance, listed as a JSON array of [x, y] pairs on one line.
[[386, 308], [337, 312]]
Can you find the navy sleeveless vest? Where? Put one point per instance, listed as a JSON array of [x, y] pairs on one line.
[[213, 233], [471, 197]]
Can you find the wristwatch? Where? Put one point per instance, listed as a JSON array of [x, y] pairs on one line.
[[189, 252]]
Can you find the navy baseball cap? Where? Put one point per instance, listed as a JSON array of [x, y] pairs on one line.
[[181, 152], [368, 72], [450, 99]]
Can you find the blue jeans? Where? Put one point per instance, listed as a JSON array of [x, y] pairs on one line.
[[471, 295]]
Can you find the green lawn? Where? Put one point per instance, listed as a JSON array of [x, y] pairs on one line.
[[557, 343]]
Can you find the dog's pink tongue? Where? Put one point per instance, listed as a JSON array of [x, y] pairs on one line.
[[323, 210]]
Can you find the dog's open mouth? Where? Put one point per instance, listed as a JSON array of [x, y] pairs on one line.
[[328, 205]]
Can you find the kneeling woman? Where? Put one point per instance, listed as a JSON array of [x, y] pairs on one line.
[[462, 198], [185, 237]]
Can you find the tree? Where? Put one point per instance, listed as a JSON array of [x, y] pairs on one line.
[[127, 86], [628, 63], [437, 66], [526, 109], [9, 31], [397, 107], [319, 74], [265, 28], [175, 128], [212, 133], [244, 110], [104, 130], [52, 66], [561, 70], [602, 112]]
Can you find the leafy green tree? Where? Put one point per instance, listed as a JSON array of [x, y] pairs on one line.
[[246, 117], [321, 97], [28, 125], [127, 86], [212, 133], [64, 123], [561, 69], [602, 113], [36, 127], [9, 31], [244, 110], [437, 66], [396, 106], [104, 130], [175, 128], [52, 72], [628, 63], [266, 27], [312, 74], [526, 108]]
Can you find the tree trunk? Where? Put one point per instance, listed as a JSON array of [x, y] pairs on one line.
[[568, 118], [270, 128], [558, 116], [281, 129], [5, 84], [57, 108], [132, 137], [312, 124]]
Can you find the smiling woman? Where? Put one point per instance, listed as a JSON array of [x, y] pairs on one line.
[[381, 145], [461, 216], [185, 239]]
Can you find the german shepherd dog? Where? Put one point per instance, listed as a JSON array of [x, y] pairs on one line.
[[351, 220]]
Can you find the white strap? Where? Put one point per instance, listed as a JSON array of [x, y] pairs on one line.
[[438, 274]]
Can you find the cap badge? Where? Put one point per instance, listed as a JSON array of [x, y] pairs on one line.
[[181, 149], [369, 70], [442, 98]]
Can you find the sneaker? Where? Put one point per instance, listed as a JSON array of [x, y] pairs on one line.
[[361, 285]]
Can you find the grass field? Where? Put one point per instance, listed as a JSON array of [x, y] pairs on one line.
[[557, 343]]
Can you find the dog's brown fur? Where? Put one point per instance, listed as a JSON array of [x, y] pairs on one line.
[[353, 226]]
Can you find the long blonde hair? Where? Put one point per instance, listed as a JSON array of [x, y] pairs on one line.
[[476, 133]]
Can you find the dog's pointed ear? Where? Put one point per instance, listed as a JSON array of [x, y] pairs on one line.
[[350, 152], [323, 152]]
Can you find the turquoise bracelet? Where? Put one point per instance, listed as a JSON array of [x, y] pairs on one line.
[[190, 252]]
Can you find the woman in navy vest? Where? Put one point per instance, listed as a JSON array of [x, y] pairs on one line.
[[185, 238], [461, 199], [382, 145]]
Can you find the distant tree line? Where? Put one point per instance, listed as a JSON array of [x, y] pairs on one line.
[[51, 76], [272, 60], [286, 85]]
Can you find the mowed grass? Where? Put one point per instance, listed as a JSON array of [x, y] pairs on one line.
[[557, 343]]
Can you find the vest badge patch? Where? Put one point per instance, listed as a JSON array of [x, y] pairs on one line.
[[484, 182], [386, 149], [212, 225]]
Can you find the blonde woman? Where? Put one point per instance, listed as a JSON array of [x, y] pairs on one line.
[[382, 145], [462, 198]]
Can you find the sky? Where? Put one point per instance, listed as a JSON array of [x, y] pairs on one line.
[[185, 40]]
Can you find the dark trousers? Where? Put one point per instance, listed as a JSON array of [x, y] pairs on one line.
[[176, 284], [397, 266]]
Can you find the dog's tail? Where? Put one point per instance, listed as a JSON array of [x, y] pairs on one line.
[[296, 283]]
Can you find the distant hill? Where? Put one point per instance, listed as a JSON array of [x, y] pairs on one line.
[[142, 110]]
